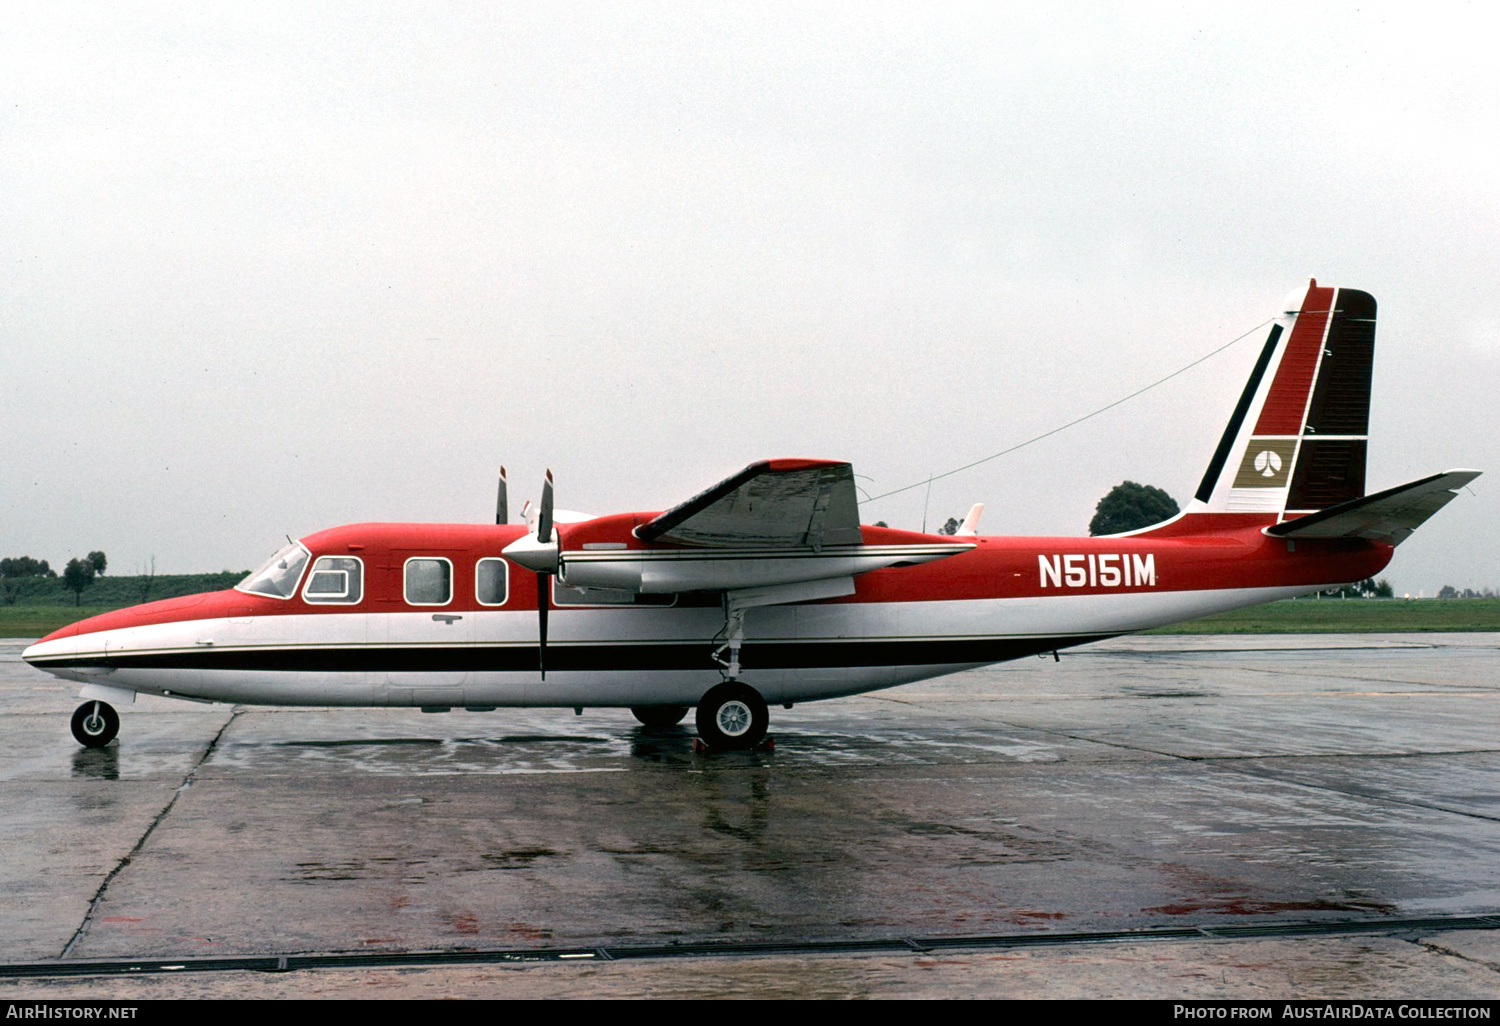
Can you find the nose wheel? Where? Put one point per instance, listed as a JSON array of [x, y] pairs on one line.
[[732, 717], [95, 724]]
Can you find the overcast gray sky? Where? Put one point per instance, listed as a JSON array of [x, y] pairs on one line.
[[271, 267]]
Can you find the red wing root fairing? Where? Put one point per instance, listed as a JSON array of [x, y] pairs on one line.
[[765, 588]]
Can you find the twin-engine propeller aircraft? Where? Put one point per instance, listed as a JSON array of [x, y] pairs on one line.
[[766, 588]]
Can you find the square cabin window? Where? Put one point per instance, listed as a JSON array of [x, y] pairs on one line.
[[334, 579], [490, 582], [429, 582]]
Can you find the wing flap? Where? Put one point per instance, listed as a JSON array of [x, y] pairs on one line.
[[1391, 515], [773, 504]]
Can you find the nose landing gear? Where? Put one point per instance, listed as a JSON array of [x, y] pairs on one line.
[[95, 724]]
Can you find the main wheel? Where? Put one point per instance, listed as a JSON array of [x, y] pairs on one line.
[[732, 717], [659, 715], [95, 724]]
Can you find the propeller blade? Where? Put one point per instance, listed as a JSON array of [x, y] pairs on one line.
[[544, 520], [541, 612], [502, 506], [540, 553]]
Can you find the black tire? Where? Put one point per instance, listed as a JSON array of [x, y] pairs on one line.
[[659, 715], [95, 724], [732, 717]]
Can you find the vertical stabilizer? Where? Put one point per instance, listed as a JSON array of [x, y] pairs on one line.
[[1298, 438]]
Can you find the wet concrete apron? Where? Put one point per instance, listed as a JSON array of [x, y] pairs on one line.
[[1144, 783]]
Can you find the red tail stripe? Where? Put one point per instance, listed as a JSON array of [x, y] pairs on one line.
[[1287, 401]]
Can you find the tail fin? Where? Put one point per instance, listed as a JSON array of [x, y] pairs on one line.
[[1298, 438]]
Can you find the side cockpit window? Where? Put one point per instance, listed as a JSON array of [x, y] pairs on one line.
[[335, 579], [278, 576]]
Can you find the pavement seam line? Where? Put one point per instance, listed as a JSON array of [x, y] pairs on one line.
[[1390, 799], [1280, 756], [187, 781], [1266, 775], [1090, 740], [1400, 929], [1481, 688], [1444, 950]]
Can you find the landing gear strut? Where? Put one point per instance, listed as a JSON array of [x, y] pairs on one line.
[[734, 638], [95, 724], [732, 717]]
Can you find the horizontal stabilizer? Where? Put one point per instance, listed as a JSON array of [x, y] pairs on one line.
[[1391, 515]]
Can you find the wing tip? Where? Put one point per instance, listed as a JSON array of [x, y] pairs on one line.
[[791, 464]]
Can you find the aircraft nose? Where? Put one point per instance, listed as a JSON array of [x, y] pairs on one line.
[[38, 653]]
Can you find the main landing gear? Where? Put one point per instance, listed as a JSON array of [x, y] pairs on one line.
[[95, 724], [659, 715], [732, 717]]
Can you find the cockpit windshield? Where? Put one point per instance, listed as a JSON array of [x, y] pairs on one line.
[[277, 576]]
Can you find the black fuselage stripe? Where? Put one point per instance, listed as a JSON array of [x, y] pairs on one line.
[[514, 659]]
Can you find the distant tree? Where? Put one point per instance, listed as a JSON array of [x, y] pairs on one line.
[[97, 558], [1130, 506], [1367, 588], [25, 566], [881, 523], [146, 578], [1448, 591], [78, 575], [951, 527]]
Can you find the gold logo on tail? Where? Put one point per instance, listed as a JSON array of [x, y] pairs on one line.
[[1267, 463]]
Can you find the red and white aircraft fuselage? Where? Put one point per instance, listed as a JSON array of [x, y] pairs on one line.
[[766, 588]]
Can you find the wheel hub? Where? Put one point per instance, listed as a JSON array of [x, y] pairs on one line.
[[734, 718]]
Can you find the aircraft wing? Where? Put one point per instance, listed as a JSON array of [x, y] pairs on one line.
[[778, 531], [1391, 515], [773, 504]]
